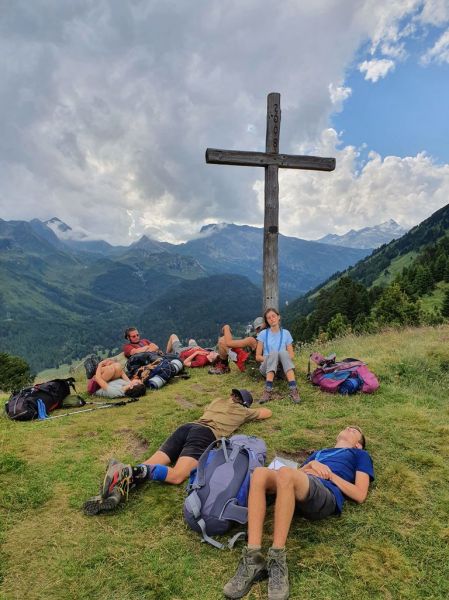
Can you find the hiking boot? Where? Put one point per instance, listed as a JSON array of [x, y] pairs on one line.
[[242, 357], [220, 368], [97, 504], [251, 568], [266, 396], [278, 587], [294, 395], [116, 484]]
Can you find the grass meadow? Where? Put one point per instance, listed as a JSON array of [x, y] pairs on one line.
[[396, 545]]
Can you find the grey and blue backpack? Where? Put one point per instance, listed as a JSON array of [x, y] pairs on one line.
[[218, 489]]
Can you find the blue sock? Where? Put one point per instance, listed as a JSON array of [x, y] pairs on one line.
[[144, 472], [157, 472], [292, 384], [269, 385]]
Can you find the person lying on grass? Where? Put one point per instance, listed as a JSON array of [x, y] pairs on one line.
[[182, 450], [113, 382], [240, 348], [315, 491], [275, 349], [192, 355]]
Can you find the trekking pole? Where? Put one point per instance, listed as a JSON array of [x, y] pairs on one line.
[[84, 410]]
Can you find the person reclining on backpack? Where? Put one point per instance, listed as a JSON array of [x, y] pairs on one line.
[[136, 345], [275, 348], [191, 355], [182, 450], [115, 383], [316, 491], [238, 350]]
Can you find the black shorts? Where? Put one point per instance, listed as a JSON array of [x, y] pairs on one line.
[[190, 439], [320, 502]]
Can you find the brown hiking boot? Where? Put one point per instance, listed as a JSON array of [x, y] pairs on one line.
[[294, 395], [266, 396], [278, 586], [251, 568]]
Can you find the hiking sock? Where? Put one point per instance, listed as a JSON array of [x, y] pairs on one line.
[[269, 385], [144, 472], [254, 548], [277, 550], [292, 384]]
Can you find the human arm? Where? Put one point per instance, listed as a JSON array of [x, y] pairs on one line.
[[290, 351], [151, 347], [356, 491], [259, 351], [264, 413], [188, 361]]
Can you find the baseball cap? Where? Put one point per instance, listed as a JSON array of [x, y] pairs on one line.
[[258, 322], [244, 396]]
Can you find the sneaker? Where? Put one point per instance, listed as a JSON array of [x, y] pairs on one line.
[[242, 357], [220, 368], [266, 396], [278, 586], [251, 568], [116, 484], [294, 395]]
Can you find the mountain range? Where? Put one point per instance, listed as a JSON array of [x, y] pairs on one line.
[[63, 297], [368, 237]]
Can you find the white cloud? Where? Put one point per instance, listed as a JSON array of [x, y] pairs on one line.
[[376, 69], [107, 107], [339, 94], [439, 52], [355, 195], [435, 12]]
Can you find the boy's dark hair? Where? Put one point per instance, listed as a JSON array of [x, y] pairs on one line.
[[362, 436], [136, 391], [128, 331]]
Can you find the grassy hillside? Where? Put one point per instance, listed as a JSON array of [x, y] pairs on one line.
[[393, 546]]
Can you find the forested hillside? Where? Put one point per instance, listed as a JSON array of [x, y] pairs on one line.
[[403, 283]]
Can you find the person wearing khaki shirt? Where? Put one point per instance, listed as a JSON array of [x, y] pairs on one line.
[[182, 450]]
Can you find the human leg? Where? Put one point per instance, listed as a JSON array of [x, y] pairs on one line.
[[288, 368], [173, 338]]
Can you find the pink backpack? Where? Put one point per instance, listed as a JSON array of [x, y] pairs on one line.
[[347, 376]]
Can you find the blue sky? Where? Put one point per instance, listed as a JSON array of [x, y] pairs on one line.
[[107, 109], [404, 113]]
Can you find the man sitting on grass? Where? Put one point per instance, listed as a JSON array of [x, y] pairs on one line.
[[315, 491], [182, 449], [238, 349]]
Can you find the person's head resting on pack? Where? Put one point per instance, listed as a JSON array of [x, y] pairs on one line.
[[135, 389], [132, 335], [242, 397], [212, 356], [351, 437]]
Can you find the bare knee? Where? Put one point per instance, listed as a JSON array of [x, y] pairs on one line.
[[177, 477], [285, 478], [222, 348]]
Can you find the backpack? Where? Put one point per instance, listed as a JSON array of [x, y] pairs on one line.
[[90, 364], [345, 377], [36, 401], [135, 361], [218, 489]]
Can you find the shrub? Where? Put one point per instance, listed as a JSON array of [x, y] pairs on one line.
[[14, 372]]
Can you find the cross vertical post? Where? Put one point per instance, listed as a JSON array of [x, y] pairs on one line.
[[271, 160], [271, 217]]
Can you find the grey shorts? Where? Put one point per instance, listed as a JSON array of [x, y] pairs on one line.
[[319, 504], [177, 347]]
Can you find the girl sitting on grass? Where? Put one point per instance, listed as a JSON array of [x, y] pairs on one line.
[[274, 347]]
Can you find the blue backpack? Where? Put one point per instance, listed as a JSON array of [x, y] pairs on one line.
[[218, 489]]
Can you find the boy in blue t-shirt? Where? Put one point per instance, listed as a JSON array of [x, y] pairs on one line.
[[315, 491]]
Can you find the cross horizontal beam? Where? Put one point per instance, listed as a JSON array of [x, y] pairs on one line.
[[264, 159]]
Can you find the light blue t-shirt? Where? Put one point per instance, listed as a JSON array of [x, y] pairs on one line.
[[274, 341]]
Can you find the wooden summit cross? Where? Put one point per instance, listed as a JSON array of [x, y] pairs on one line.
[[271, 160]]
